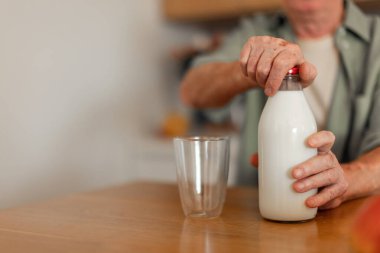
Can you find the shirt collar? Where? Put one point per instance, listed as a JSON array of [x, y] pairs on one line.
[[356, 21]]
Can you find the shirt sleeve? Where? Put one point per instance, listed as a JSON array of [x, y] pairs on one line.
[[229, 51], [371, 138], [232, 44]]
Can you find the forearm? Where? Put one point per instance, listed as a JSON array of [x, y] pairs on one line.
[[213, 84], [363, 175]]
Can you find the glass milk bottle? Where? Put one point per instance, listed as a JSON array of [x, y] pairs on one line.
[[285, 124]]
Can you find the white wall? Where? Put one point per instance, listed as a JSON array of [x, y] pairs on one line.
[[81, 82]]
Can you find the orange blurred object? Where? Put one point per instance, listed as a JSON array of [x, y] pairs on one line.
[[366, 227], [255, 160], [175, 124]]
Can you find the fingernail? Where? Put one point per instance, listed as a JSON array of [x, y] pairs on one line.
[[311, 203], [300, 186], [298, 173], [268, 91]]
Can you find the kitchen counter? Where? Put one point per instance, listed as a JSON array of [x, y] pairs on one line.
[[147, 217]]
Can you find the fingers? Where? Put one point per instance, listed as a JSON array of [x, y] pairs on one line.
[[244, 56], [264, 65], [323, 140], [254, 57], [280, 66], [266, 60], [331, 204], [308, 73], [321, 172], [314, 165], [325, 178], [327, 194], [282, 63]]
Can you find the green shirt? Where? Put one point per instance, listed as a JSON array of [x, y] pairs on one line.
[[354, 114]]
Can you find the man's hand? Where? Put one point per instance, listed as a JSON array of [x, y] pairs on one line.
[[266, 60], [322, 172]]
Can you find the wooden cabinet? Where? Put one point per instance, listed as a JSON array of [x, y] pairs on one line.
[[203, 10], [206, 10]]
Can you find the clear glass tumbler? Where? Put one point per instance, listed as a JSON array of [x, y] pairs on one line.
[[202, 173]]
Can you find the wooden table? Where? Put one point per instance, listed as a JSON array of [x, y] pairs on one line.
[[147, 217]]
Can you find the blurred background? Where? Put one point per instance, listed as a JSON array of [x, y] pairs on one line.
[[88, 89]]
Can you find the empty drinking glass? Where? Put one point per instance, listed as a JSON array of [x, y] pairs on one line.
[[202, 173]]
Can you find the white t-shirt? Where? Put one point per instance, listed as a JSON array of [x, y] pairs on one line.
[[324, 55]]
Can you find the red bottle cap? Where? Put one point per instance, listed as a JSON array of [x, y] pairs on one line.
[[294, 71]]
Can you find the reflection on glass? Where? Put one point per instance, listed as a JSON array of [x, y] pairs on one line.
[[202, 235], [273, 239]]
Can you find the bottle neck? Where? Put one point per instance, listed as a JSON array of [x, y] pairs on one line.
[[291, 83]]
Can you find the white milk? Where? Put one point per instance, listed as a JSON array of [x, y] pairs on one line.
[[285, 124]]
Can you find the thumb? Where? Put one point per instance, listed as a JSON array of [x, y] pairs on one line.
[[255, 160], [308, 73]]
